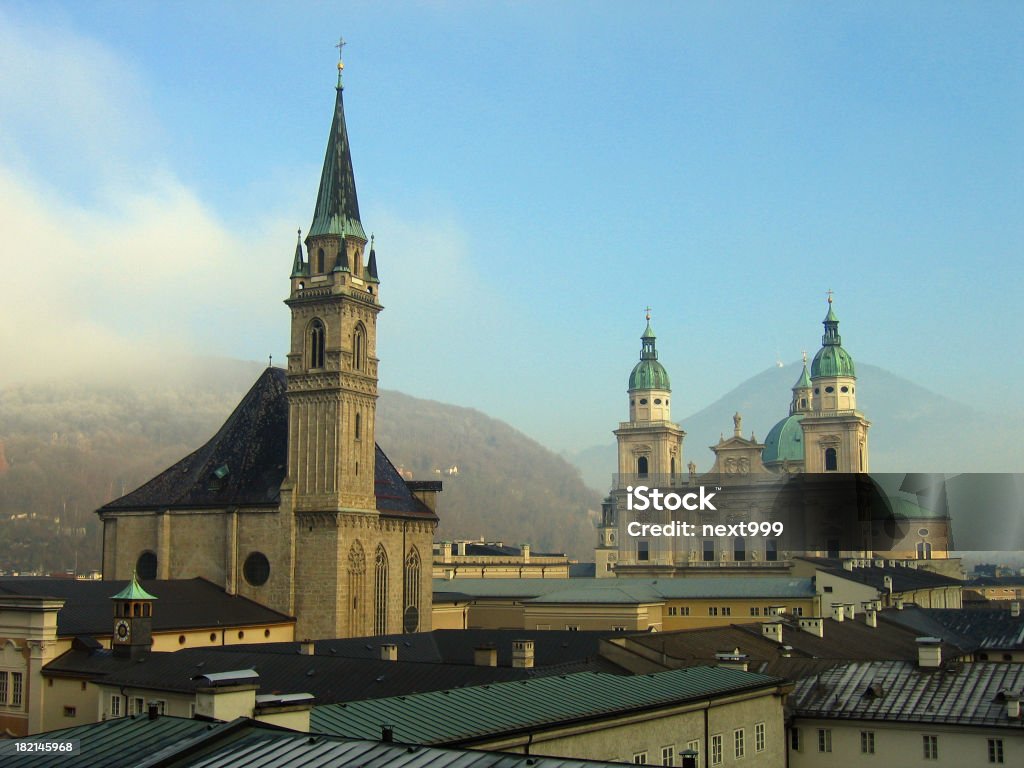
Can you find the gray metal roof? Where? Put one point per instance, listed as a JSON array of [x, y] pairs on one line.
[[900, 691], [629, 591], [465, 715]]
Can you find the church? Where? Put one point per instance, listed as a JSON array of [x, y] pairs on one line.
[[292, 503], [811, 469]]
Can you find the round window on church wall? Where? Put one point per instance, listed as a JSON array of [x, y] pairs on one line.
[[256, 569]]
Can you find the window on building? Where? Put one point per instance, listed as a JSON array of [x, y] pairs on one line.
[[668, 755], [3, 687], [145, 566], [115, 705], [831, 460], [995, 751], [716, 749], [798, 611], [794, 739], [712, 610], [924, 550], [640, 758], [726, 610], [672, 611], [572, 627], [359, 348], [136, 706], [319, 259], [771, 550], [931, 747], [739, 550], [411, 612], [867, 742], [356, 585], [827, 588], [256, 569], [643, 551], [359, 426], [16, 682], [755, 611], [709, 550], [380, 592], [739, 742], [684, 610], [161, 706], [824, 740], [641, 466], [316, 339], [695, 747], [759, 737]]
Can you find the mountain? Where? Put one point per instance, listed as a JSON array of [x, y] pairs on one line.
[[912, 428], [67, 448]]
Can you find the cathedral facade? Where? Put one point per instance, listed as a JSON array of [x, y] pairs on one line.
[[292, 503]]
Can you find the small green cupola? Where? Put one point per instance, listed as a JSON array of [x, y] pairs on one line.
[[832, 360], [649, 373], [133, 620]]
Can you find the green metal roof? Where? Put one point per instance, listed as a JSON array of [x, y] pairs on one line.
[[133, 591], [832, 359], [337, 209], [463, 715], [649, 373], [804, 381], [785, 440]]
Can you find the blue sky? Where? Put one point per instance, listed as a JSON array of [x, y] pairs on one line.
[[535, 174]]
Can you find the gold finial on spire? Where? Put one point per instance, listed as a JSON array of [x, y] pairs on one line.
[[341, 65], [648, 313], [805, 357], [829, 294]]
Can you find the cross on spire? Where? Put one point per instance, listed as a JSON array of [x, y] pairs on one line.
[[648, 311], [829, 294], [341, 44]]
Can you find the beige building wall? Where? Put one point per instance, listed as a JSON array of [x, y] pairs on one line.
[[714, 612], [901, 745], [28, 641], [627, 738]]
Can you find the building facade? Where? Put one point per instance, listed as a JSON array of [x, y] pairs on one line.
[[292, 503]]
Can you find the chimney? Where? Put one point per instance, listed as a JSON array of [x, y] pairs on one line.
[[307, 647], [460, 548], [446, 551], [814, 626], [485, 656], [776, 610], [1013, 706], [879, 563], [898, 602], [847, 565], [838, 611], [732, 660], [153, 710], [871, 617], [1015, 608], [772, 630], [887, 583], [387, 733], [526, 553], [787, 651], [929, 652], [522, 654], [389, 652], [848, 610]]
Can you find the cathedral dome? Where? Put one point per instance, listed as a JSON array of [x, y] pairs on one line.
[[832, 361], [649, 374], [785, 441]]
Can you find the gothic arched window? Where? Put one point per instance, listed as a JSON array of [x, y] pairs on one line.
[[319, 260], [411, 610], [359, 347], [831, 460], [356, 589], [145, 566], [316, 344], [380, 591]]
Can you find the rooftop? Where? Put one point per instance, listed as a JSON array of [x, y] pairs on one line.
[[467, 715], [900, 691]]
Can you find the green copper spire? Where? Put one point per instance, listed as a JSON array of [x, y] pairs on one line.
[[133, 591], [371, 264], [832, 359], [649, 373], [299, 267], [337, 209], [805, 380]]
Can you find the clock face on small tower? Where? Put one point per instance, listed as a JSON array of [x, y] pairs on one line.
[[122, 631]]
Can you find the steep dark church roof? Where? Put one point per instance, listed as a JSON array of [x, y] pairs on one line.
[[244, 464]]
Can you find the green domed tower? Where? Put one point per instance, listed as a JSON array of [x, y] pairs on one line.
[[649, 443], [835, 432]]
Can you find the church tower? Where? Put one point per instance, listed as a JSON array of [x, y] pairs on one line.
[[835, 433], [332, 365], [133, 621], [650, 445]]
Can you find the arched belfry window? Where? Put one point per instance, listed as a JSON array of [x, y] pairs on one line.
[[641, 466], [356, 589], [831, 460], [411, 587], [380, 591], [359, 347], [316, 335], [319, 260]]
